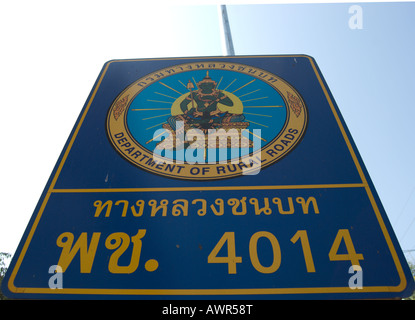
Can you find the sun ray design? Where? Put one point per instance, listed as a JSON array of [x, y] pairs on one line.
[[246, 84], [264, 107], [162, 94], [159, 101], [182, 84], [159, 124], [170, 88], [238, 92], [243, 95], [255, 99], [162, 115], [257, 136], [263, 125], [150, 109], [156, 136], [229, 85], [256, 114], [195, 83], [217, 86]]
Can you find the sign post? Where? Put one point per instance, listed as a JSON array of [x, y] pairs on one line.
[[226, 30], [213, 178]]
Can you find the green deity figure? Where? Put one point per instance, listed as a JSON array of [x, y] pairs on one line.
[[204, 113]]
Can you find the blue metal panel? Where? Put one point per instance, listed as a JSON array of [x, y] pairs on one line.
[[122, 225]]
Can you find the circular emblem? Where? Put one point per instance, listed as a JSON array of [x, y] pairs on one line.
[[206, 120]]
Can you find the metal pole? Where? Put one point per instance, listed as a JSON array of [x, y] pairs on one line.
[[227, 31]]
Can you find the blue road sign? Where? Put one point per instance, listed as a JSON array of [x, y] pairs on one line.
[[212, 178]]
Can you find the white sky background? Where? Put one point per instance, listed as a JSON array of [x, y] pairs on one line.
[[52, 52]]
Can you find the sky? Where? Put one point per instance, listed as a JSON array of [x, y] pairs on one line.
[[52, 52]]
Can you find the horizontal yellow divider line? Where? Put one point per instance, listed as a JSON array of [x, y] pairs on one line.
[[245, 291], [283, 187]]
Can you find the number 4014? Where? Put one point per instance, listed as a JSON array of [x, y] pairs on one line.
[[232, 260]]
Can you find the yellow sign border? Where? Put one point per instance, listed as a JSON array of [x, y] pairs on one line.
[[253, 291]]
